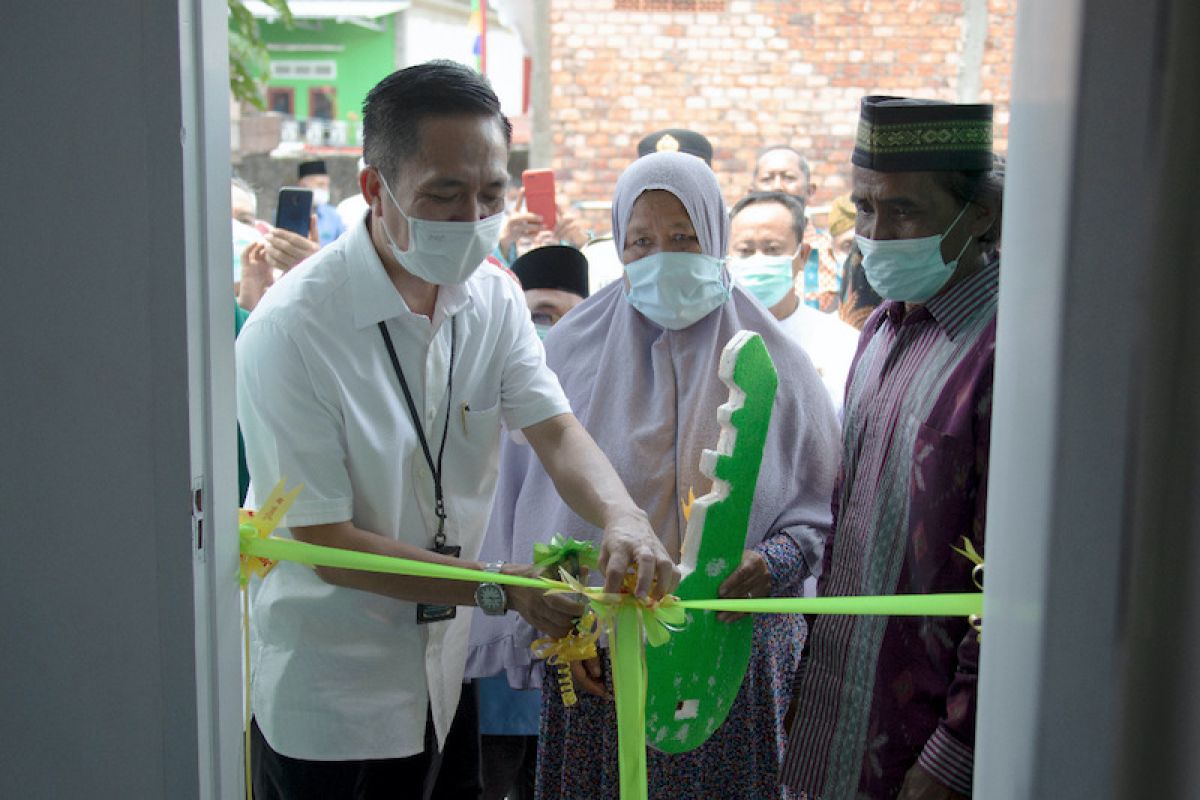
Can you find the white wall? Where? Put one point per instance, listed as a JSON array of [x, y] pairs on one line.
[[97, 663], [435, 30]]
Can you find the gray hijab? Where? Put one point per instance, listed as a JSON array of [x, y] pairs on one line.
[[684, 176], [649, 397]]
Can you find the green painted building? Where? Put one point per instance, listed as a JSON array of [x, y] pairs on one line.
[[322, 68]]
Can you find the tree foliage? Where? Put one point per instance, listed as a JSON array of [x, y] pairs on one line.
[[248, 61]]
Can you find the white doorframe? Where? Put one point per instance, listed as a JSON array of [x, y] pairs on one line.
[[1077, 220], [204, 90]]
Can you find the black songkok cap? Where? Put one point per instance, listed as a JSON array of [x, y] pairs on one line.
[[901, 134], [676, 140], [307, 168], [554, 266]]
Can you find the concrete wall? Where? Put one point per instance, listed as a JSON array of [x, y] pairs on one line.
[[97, 661]]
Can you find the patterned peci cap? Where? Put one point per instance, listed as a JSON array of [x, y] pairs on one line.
[[553, 267], [901, 134]]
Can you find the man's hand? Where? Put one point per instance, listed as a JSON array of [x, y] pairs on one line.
[[920, 785], [570, 229], [552, 614], [589, 676], [286, 249], [629, 542], [750, 579]]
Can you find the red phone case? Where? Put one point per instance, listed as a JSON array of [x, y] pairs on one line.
[[539, 195]]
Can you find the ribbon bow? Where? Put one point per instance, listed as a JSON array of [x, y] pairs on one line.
[[252, 525]]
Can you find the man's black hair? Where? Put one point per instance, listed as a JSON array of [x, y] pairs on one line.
[[398, 104], [792, 203]]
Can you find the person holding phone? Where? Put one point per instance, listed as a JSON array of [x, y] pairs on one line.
[[314, 175], [538, 222], [379, 374]]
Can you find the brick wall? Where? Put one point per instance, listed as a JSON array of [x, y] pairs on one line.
[[758, 72]]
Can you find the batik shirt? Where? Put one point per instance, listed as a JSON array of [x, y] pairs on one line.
[[877, 694]]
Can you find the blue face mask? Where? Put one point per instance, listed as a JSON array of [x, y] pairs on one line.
[[676, 290], [768, 278], [910, 270], [542, 329]]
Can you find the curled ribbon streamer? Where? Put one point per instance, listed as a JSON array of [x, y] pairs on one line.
[[579, 645]]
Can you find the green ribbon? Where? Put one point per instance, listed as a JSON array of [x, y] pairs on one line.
[[892, 605], [569, 553], [315, 555], [629, 695], [629, 619]]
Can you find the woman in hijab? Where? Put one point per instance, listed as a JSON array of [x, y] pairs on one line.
[[638, 361]]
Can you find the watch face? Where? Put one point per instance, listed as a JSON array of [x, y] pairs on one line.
[[490, 597]]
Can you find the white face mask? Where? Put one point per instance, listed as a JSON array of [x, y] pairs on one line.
[[768, 278], [676, 290], [320, 197], [909, 270], [444, 253]]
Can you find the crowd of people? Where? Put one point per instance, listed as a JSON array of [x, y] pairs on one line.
[[455, 381]]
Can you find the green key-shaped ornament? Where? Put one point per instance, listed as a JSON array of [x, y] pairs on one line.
[[695, 677]]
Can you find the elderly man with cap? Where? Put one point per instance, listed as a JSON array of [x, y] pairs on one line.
[[885, 707], [313, 175]]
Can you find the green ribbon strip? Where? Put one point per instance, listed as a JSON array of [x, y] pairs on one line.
[[629, 695], [897, 605], [315, 555], [630, 624]]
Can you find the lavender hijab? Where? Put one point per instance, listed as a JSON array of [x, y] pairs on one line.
[[649, 397]]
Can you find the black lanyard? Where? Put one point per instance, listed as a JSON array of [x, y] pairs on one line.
[[439, 502]]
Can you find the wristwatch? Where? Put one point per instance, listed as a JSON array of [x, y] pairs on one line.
[[491, 597]]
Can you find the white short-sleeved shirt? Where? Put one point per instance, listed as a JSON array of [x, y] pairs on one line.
[[342, 674], [829, 343]]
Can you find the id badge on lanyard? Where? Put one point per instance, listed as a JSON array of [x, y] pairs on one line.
[[429, 612]]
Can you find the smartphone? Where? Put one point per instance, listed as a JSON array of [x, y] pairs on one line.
[[294, 209], [539, 195]]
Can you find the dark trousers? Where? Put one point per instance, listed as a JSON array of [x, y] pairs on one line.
[[509, 767], [452, 774]]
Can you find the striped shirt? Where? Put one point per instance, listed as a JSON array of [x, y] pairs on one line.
[[876, 694]]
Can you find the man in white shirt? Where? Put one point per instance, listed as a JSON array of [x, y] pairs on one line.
[[378, 373], [766, 253]]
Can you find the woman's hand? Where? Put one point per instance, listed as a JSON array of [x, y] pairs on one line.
[[750, 579], [589, 676]]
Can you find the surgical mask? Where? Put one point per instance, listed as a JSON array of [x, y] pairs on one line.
[[676, 290], [768, 278], [542, 329], [910, 270], [320, 197], [443, 252]]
